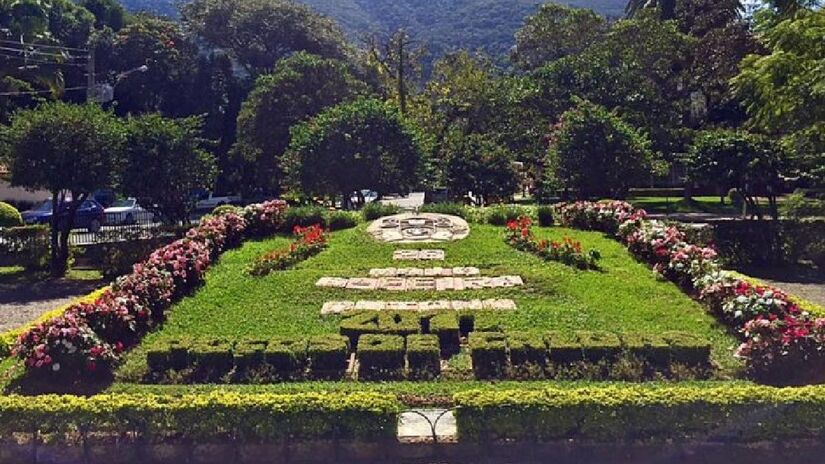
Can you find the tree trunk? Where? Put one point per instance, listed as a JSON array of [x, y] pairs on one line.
[[57, 268]]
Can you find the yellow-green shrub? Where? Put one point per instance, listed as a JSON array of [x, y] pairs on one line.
[[725, 412], [215, 415]]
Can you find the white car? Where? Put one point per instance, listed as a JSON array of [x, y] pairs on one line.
[[126, 211], [211, 201]]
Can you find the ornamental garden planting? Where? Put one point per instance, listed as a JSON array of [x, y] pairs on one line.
[[599, 307]]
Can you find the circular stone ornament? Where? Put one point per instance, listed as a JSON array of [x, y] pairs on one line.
[[419, 228]]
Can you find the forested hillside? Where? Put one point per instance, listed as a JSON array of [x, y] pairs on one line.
[[442, 24]]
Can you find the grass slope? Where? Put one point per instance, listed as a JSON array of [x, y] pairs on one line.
[[623, 297]]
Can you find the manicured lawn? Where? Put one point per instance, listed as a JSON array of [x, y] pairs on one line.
[[624, 296]]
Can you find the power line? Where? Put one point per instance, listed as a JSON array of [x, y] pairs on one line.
[[37, 92], [37, 61], [35, 52], [58, 47]]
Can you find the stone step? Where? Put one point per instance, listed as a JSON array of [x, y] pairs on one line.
[[341, 307], [418, 255], [425, 272], [408, 284]]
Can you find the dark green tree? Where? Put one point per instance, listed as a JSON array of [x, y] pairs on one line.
[[69, 150], [108, 13], [365, 144], [596, 154], [164, 163], [554, 32], [258, 33], [749, 163], [300, 87], [478, 165]]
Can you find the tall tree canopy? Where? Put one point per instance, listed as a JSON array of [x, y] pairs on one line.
[[258, 33], [784, 91], [554, 32], [365, 144], [69, 150], [300, 87]]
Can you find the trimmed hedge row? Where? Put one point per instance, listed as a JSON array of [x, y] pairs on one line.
[[730, 413], [213, 416], [381, 357], [493, 352], [288, 358]]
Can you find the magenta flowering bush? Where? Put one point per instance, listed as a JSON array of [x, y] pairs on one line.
[[148, 286], [785, 349], [264, 219], [64, 346], [89, 337], [605, 216]]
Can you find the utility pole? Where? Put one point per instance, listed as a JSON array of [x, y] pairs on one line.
[[402, 92], [91, 86]]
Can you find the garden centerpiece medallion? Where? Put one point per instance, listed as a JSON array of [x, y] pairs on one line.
[[419, 228]]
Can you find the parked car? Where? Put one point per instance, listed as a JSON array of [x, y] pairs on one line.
[[126, 212], [90, 216], [210, 201]]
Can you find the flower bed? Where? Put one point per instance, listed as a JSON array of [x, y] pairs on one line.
[[781, 342], [570, 252], [311, 241], [89, 337]]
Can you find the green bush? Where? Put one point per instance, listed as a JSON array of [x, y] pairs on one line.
[[327, 356], [489, 354], [502, 214], [304, 216], [169, 354], [453, 209], [380, 357], [445, 326], [564, 347], [287, 356], [25, 246], [376, 210], [209, 417], [486, 322], [341, 220], [687, 348], [527, 348], [212, 356], [648, 347], [798, 206], [225, 209], [545, 214], [9, 216], [423, 357], [599, 346], [610, 413], [249, 354], [379, 322]]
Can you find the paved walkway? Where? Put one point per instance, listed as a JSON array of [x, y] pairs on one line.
[[21, 303], [410, 202]]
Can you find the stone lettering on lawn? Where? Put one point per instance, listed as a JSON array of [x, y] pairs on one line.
[[341, 307], [441, 284], [418, 255]]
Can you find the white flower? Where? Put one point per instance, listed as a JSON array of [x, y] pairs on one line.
[[56, 367]]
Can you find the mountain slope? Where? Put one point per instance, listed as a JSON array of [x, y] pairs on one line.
[[443, 25]]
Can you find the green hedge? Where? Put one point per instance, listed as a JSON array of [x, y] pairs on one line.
[[381, 357], [527, 348], [379, 322], [423, 357], [488, 351], [26, 246], [212, 416], [446, 327], [286, 357], [732, 413]]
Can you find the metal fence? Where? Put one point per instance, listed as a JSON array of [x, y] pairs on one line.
[[119, 227]]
